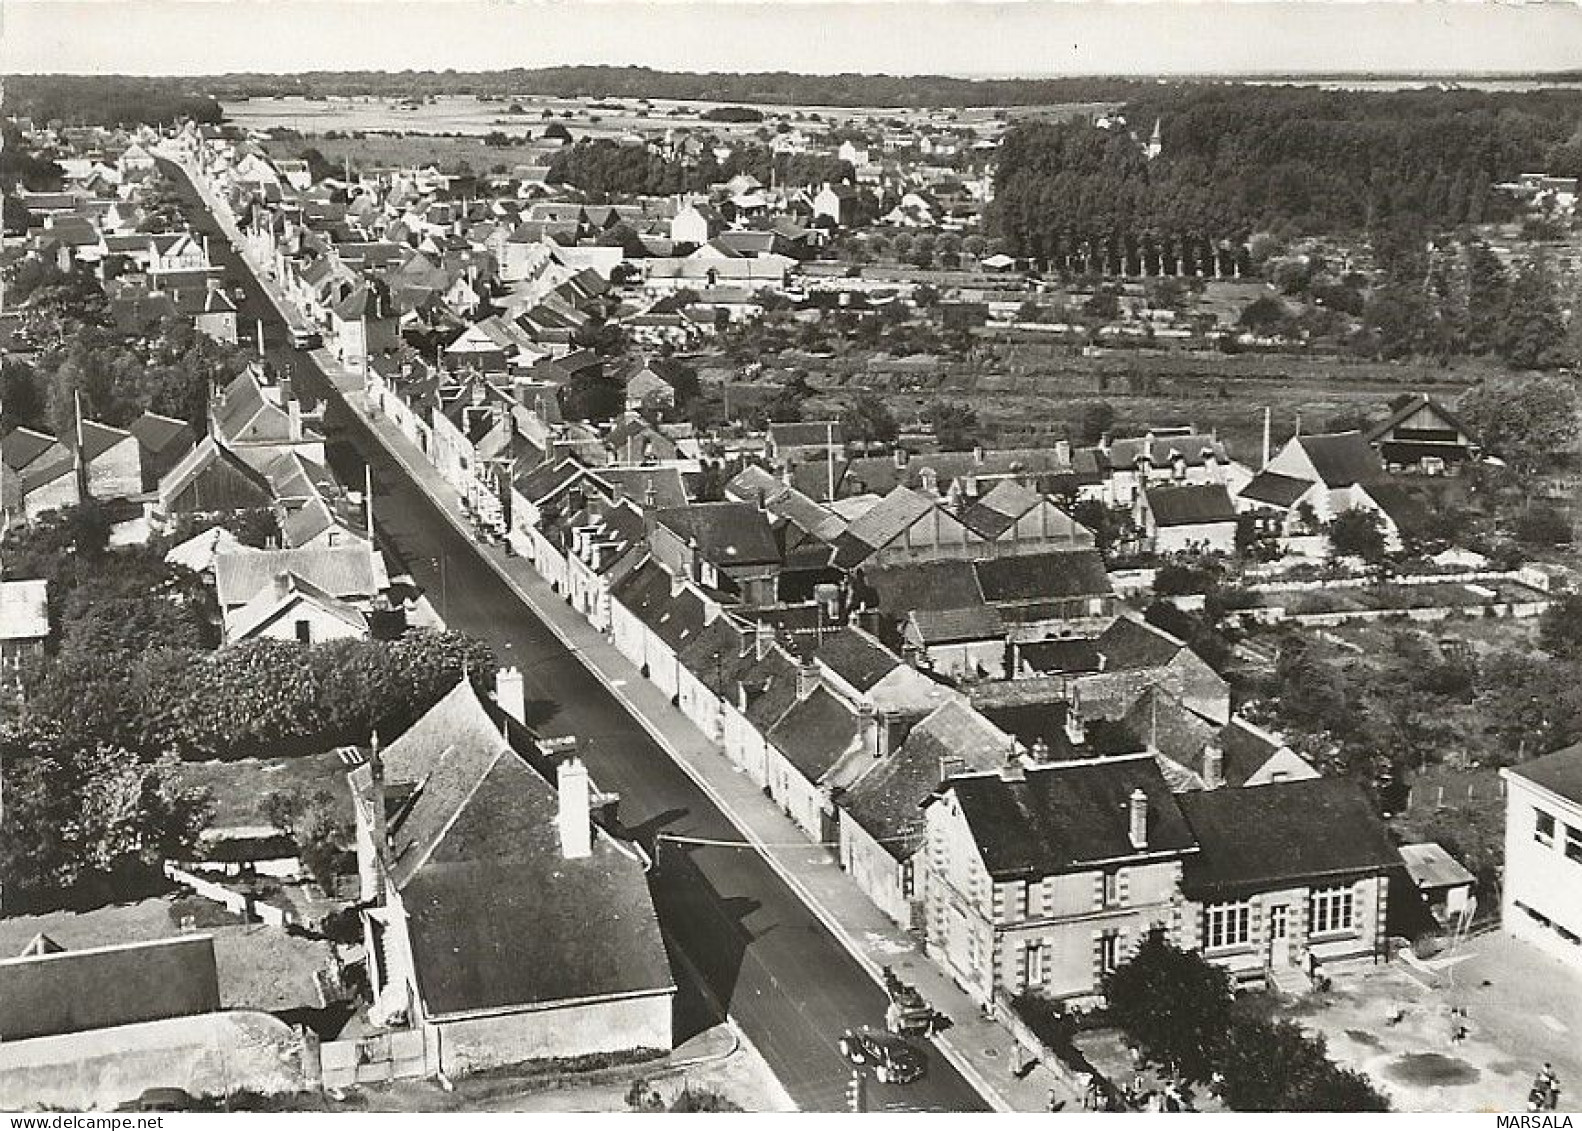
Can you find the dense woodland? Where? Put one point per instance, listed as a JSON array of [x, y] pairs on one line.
[[1288, 160], [603, 168], [107, 100]]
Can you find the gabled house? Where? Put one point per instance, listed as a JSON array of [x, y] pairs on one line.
[[725, 547], [1424, 435], [294, 609], [1191, 518], [502, 919]]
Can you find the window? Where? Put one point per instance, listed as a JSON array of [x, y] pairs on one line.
[[1033, 965], [1112, 889], [1574, 844], [1331, 911], [1109, 952], [1227, 924], [1544, 828], [304, 632]]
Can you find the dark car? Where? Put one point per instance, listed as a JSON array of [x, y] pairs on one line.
[[163, 1099], [893, 1060]]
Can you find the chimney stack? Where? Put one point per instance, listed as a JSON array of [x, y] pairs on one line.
[[1137, 807], [574, 818], [806, 678], [1213, 766], [293, 420], [370, 868], [510, 694], [1076, 728], [1040, 749]]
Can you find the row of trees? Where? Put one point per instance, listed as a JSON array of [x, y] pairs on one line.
[[107, 100], [1238, 160], [603, 168]]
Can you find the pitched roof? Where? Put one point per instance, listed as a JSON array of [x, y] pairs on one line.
[[887, 801], [21, 446], [1275, 489], [1068, 816], [1410, 406], [1130, 645], [157, 433], [725, 533], [289, 591], [857, 658], [349, 572], [1073, 654], [950, 583], [1042, 577], [1283, 834], [954, 626], [815, 733], [478, 861], [1190, 504], [1342, 458], [883, 522]]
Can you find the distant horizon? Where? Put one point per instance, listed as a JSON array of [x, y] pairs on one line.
[[980, 40]]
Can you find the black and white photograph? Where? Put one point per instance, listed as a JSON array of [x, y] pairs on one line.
[[775, 556]]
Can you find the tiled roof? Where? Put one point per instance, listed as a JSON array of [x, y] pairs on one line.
[[948, 584], [1131, 645], [953, 626], [724, 533]]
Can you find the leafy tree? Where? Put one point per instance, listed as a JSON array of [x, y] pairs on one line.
[[1266, 316], [1560, 629], [1275, 1066], [1357, 532], [1532, 704], [90, 821], [1172, 1004], [1095, 420], [868, 420], [1542, 525], [955, 425], [318, 826], [1532, 331], [1523, 420]]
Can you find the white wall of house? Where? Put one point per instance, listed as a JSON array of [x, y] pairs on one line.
[[879, 874], [1542, 901], [621, 1025]]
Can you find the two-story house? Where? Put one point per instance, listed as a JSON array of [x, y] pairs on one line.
[[1542, 890]]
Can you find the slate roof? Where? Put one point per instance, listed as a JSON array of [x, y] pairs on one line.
[[1132, 645], [955, 626], [1275, 489], [725, 533], [1042, 577], [1032, 722], [477, 858], [771, 686], [349, 572], [157, 433], [815, 733], [884, 522], [1070, 655], [857, 658], [887, 801], [21, 446], [1559, 773], [948, 584], [1190, 504], [268, 605], [1162, 451], [1342, 458], [1283, 835], [1067, 816], [1246, 749]]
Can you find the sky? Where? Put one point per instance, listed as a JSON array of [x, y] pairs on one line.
[[960, 37]]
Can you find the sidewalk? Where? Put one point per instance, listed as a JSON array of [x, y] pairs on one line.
[[982, 1050]]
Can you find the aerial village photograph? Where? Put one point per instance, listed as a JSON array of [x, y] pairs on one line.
[[790, 557]]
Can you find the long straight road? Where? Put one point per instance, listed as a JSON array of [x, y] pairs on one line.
[[760, 952]]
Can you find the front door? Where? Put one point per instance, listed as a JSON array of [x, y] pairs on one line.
[[1279, 940]]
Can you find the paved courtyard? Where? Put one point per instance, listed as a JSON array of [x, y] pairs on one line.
[[1521, 1008]]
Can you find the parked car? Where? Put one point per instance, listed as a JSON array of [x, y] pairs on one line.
[[893, 1060], [163, 1099], [305, 338]]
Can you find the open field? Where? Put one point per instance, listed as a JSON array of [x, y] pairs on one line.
[[238, 788], [374, 151]]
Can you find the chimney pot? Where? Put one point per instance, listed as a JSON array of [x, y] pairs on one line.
[[1137, 807]]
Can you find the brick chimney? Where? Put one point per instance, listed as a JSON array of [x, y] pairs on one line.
[[1213, 766], [573, 817], [806, 678], [1137, 811]]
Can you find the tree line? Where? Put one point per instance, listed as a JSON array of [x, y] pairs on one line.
[[604, 168], [1291, 160], [108, 100]]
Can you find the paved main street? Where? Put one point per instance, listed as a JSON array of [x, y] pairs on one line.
[[763, 954]]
